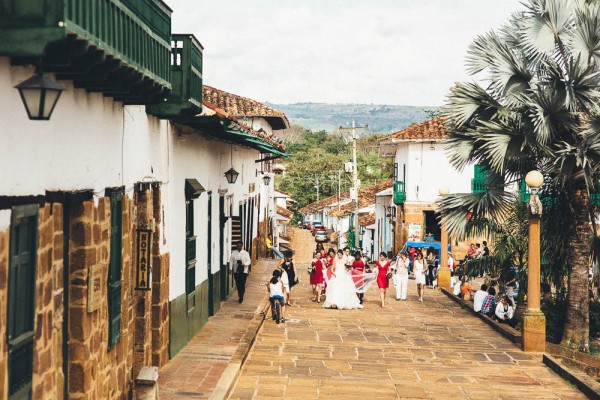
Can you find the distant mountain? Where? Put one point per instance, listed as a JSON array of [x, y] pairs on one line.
[[380, 118]]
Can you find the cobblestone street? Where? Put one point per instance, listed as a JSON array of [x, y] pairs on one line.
[[408, 350]]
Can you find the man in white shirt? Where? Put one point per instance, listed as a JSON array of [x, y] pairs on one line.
[[479, 297], [239, 264]]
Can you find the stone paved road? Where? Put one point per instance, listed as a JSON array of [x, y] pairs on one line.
[[430, 350]]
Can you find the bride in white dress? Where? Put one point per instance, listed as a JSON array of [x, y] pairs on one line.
[[341, 291]]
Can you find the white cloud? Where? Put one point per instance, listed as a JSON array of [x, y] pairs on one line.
[[365, 51]]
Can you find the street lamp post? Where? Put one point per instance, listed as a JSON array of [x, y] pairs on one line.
[[534, 321], [443, 270]]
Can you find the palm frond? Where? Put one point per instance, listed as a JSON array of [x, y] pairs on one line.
[[464, 101], [547, 26], [585, 40], [483, 209]]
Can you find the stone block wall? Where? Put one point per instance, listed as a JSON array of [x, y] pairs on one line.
[[160, 289], [48, 378], [94, 372]]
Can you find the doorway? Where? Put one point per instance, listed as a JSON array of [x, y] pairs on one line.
[[432, 225]]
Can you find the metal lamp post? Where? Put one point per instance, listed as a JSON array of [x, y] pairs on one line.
[[534, 321], [443, 270]]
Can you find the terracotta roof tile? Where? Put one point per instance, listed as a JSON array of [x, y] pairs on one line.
[[284, 212], [431, 129], [320, 204], [240, 107], [366, 197], [239, 125], [366, 219]]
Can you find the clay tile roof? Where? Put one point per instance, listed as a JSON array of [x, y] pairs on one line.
[[319, 205], [240, 126], [366, 219], [240, 107], [431, 129], [284, 212], [366, 198]]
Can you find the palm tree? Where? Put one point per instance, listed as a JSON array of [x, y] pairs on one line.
[[538, 110]]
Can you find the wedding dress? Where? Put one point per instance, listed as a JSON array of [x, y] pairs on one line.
[[341, 291]]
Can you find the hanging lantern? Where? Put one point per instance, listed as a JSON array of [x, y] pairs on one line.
[[39, 95], [231, 175], [266, 180]]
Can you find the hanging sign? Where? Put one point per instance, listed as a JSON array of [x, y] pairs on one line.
[[144, 252]]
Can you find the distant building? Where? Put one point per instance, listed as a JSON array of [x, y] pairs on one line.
[[421, 167]]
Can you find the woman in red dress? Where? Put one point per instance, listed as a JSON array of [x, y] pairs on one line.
[[358, 269], [316, 277], [383, 268]]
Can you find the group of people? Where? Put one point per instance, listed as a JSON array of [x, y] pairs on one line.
[[501, 309]]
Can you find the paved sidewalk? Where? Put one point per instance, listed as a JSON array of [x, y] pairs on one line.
[[209, 364], [430, 350]]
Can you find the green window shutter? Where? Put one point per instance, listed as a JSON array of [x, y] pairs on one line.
[[190, 254], [114, 269], [21, 300]]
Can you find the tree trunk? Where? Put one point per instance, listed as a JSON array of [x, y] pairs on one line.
[[577, 324]]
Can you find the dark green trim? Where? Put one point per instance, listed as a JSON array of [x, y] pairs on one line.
[[115, 269], [20, 328], [211, 286], [185, 325], [223, 274], [216, 294]]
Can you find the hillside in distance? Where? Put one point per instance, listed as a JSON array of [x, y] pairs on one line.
[[328, 117]]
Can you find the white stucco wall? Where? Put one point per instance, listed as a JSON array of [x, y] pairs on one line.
[[80, 147], [93, 142], [427, 169]]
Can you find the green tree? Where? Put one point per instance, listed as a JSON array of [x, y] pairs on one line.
[[539, 110]]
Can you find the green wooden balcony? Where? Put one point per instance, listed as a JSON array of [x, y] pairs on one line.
[[185, 99], [479, 181], [524, 190], [117, 47], [399, 193]]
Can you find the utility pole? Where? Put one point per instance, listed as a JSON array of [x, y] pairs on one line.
[[317, 186], [355, 182], [339, 188]]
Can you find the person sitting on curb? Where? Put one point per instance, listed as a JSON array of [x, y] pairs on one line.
[[489, 303], [480, 295], [505, 312]]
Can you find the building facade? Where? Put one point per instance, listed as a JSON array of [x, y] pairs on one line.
[[116, 218]]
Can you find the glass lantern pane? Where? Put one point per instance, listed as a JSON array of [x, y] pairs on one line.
[[31, 98], [50, 102]]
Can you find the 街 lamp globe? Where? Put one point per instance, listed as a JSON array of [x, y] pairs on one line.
[[534, 179], [444, 190]]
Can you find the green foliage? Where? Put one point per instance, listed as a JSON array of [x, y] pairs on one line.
[[554, 309], [318, 156], [594, 319]]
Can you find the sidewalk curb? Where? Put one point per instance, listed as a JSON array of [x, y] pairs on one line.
[[511, 334], [585, 384], [232, 372]]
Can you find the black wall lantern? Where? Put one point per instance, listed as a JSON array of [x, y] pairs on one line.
[[266, 180], [39, 95], [231, 173]]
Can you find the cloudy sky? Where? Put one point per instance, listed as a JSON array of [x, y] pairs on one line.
[[406, 52]]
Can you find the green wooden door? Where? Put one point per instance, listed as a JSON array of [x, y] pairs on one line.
[[115, 269], [211, 288], [21, 300]]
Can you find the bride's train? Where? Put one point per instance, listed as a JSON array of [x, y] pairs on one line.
[[342, 289]]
